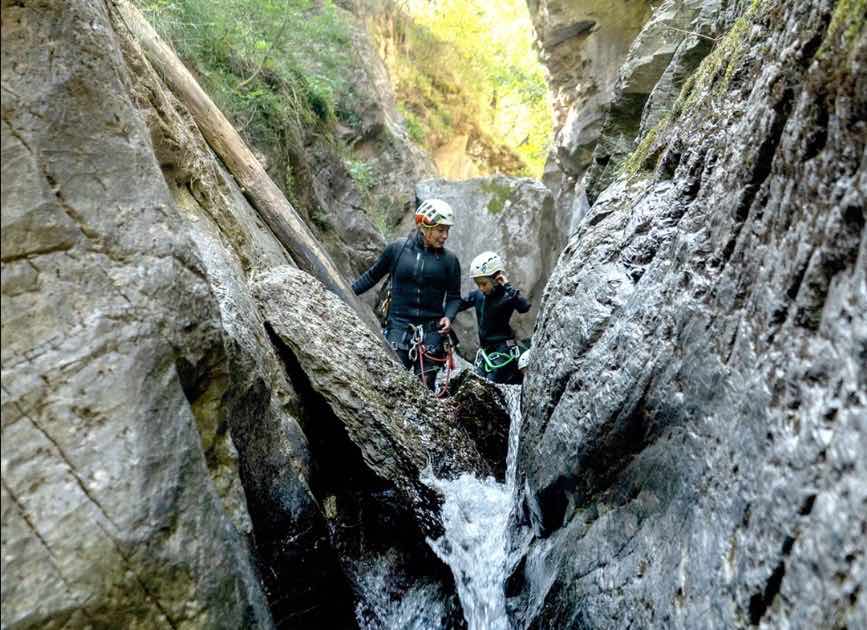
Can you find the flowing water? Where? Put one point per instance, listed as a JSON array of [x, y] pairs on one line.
[[475, 514], [421, 606]]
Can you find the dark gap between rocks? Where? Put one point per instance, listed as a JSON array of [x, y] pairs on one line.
[[365, 515]]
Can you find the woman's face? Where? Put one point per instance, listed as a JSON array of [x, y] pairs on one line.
[[485, 284], [436, 236]]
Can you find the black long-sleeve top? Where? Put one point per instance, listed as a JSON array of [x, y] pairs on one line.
[[425, 284], [494, 311]]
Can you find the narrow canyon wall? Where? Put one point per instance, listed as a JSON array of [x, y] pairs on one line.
[[693, 447], [110, 515], [172, 452]]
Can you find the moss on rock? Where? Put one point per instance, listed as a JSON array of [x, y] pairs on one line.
[[500, 193]]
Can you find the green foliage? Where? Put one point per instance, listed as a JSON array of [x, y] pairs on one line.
[[469, 64], [275, 68], [713, 75], [499, 196], [413, 125], [637, 160], [362, 174], [719, 65], [266, 63]]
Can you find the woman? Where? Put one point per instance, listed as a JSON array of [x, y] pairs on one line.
[[425, 290]]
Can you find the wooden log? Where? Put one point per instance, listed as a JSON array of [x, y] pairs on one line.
[[276, 211]]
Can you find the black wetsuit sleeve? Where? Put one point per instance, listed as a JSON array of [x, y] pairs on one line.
[[468, 302], [373, 275], [453, 290], [514, 296]]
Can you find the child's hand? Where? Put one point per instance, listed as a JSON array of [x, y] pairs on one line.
[[501, 278]]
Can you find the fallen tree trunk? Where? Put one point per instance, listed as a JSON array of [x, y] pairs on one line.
[[263, 193]]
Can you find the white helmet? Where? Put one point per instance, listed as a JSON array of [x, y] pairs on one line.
[[524, 360], [486, 264], [433, 212]]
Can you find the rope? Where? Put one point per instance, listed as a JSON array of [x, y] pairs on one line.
[[418, 350]]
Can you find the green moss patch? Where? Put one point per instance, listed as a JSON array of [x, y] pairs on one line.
[[499, 195], [847, 23]]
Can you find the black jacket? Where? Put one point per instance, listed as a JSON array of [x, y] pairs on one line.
[[423, 280], [494, 311]]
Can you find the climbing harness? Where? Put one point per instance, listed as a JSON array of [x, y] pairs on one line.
[[418, 351], [496, 360]]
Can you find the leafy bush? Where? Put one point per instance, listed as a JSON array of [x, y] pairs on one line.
[[470, 63], [248, 52], [276, 68], [362, 174]]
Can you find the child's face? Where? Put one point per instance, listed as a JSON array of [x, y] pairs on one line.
[[485, 284]]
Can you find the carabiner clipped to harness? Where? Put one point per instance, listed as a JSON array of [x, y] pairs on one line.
[[418, 352], [416, 344], [497, 360]]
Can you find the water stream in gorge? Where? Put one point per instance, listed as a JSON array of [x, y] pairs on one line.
[[475, 515]]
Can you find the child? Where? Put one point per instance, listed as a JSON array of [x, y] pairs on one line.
[[495, 301]]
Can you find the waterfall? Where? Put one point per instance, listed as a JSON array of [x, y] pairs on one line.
[[475, 514], [421, 606]]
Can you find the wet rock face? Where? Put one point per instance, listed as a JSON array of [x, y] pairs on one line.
[[508, 215], [693, 440], [481, 410], [111, 516], [374, 428]]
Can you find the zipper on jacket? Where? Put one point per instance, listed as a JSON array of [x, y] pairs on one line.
[[419, 267]]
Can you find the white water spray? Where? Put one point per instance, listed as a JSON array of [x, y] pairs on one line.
[[475, 515]]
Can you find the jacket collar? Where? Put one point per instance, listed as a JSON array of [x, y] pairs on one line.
[[419, 243]]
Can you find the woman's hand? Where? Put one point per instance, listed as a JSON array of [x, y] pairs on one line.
[[445, 325], [501, 279]]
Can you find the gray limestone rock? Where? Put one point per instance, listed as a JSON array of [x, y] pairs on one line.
[[582, 46], [246, 405], [110, 516], [374, 430], [676, 27], [394, 421], [693, 444]]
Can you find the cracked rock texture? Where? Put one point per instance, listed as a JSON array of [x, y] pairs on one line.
[[694, 437], [155, 468], [169, 460], [385, 411], [111, 517]]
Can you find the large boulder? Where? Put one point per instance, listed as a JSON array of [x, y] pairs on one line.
[[111, 513], [397, 425], [375, 430], [511, 216], [692, 453]]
